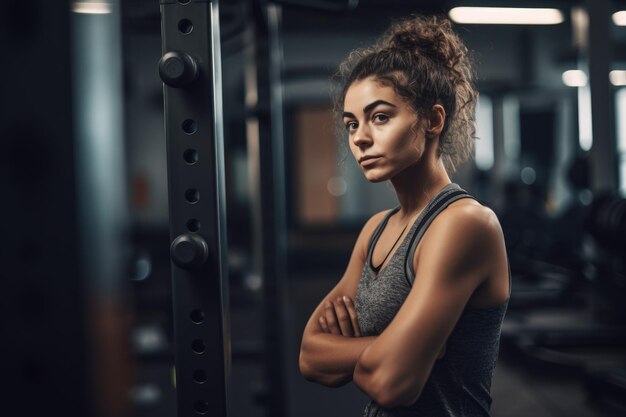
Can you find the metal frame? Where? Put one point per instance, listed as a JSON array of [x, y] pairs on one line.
[[190, 69], [266, 160], [603, 154]]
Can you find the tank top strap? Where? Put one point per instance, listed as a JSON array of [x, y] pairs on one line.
[[378, 231], [449, 194]]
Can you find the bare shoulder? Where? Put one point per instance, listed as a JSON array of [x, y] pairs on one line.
[[469, 219], [466, 233]]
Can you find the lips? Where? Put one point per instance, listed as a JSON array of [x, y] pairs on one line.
[[368, 160]]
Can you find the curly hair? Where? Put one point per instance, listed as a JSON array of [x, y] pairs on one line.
[[426, 63]]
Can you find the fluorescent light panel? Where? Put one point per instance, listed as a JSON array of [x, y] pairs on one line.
[[578, 78], [506, 16], [91, 7], [574, 78], [619, 18], [618, 77]]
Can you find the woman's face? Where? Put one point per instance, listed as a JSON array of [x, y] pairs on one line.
[[384, 133]]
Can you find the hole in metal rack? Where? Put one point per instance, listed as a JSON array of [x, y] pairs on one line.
[[198, 346], [190, 156], [192, 195], [193, 225], [197, 316], [201, 407], [190, 126], [184, 1], [199, 376], [185, 26]]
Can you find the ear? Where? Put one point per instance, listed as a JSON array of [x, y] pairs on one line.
[[435, 120]]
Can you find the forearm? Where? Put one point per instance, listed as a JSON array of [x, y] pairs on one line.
[[330, 359], [371, 377]]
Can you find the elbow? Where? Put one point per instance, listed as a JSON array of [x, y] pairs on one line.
[[387, 391], [389, 396], [309, 372], [305, 368]]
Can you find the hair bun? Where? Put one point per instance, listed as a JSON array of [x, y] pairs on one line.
[[429, 37]]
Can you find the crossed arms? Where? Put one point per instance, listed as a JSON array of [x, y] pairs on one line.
[[393, 367], [331, 348]]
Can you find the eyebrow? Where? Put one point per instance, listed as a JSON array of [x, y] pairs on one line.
[[368, 108]]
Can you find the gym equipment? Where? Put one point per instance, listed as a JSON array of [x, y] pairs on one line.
[[585, 338], [190, 69]]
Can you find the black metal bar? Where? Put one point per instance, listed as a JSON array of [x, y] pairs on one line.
[[274, 171], [604, 158], [190, 68], [266, 155]]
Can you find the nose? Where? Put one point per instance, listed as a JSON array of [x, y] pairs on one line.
[[362, 137]]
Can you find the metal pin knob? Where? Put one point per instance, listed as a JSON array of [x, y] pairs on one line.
[[178, 69], [189, 251]]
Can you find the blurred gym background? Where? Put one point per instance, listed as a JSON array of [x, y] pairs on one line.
[[86, 305]]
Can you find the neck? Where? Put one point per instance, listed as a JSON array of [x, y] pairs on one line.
[[418, 184]]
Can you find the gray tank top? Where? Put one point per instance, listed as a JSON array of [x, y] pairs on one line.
[[460, 382]]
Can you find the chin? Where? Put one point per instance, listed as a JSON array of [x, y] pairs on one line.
[[374, 178]]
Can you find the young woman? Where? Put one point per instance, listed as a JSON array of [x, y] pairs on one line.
[[415, 320]]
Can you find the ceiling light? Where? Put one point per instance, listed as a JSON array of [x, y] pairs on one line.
[[619, 18], [91, 7], [574, 78], [618, 77], [506, 16]]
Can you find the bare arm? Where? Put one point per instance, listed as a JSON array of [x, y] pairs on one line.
[[461, 244], [330, 358]]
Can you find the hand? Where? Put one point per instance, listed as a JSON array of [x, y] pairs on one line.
[[340, 318]]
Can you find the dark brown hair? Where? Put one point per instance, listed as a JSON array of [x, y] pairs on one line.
[[426, 63]]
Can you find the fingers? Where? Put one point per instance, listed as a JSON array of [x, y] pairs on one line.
[[323, 324], [343, 317], [353, 318], [331, 318], [339, 317]]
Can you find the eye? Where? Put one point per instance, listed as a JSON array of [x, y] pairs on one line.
[[351, 126], [380, 118]]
